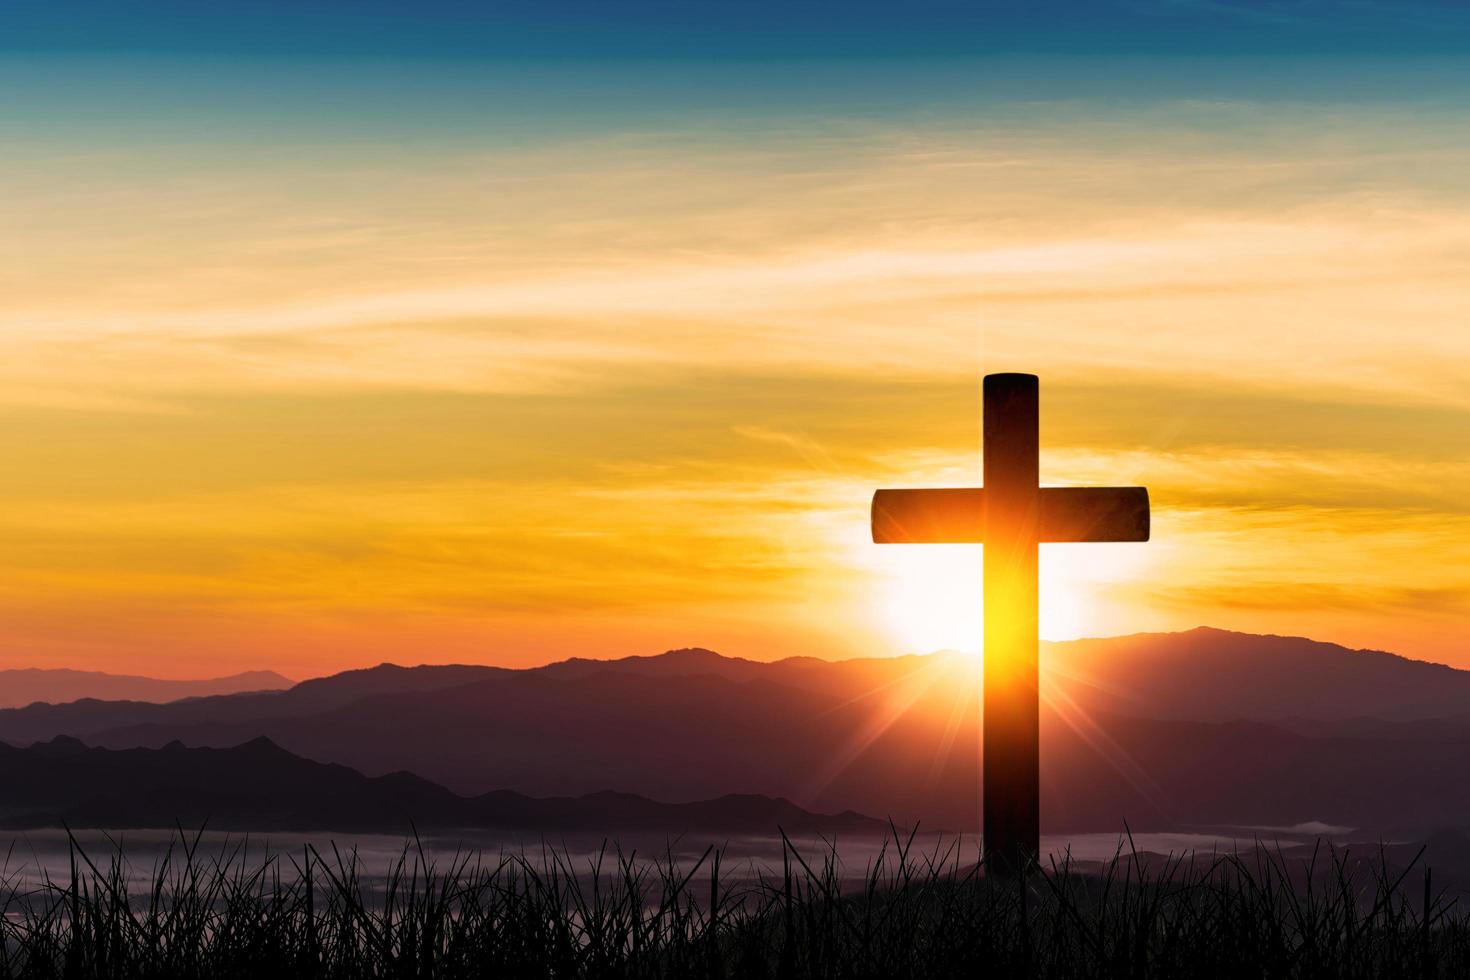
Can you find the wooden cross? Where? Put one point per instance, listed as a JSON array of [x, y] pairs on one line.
[[1011, 515]]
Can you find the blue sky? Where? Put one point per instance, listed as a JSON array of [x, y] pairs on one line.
[[700, 29], [231, 72]]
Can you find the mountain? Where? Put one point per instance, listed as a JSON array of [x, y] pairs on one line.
[[27, 686], [120, 720], [1216, 675], [39, 722], [1163, 730], [259, 786], [901, 753]]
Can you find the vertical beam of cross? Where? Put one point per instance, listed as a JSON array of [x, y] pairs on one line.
[[1011, 722], [1011, 515]]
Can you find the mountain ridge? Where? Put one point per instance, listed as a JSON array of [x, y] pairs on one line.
[[260, 786], [1132, 720], [22, 686]]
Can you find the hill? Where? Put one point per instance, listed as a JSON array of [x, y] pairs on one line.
[[27, 686], [259, 786], [1164, 730], [1217, 675], [904, 753], [85, 717]]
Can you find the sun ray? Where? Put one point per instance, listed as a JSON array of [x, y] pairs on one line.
[[965, 697], [911, 687], [1075, 717]]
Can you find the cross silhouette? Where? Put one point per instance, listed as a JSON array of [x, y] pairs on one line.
[[1011, 515]]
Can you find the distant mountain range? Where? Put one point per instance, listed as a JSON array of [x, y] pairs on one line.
[[1216, 675], [259, 786], [27, 686], [1162, 730]]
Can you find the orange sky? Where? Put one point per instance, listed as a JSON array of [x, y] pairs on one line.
[[306, 404]]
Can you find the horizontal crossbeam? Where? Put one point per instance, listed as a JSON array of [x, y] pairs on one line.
[[956, 515]]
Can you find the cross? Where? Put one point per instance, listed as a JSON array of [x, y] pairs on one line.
[[1011, 515]]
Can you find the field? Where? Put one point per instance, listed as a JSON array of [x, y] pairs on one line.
[[910, 914]]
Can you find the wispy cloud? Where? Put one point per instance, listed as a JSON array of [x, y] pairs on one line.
[[528, 400]]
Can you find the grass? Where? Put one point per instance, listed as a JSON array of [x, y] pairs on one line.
[[912, 914]]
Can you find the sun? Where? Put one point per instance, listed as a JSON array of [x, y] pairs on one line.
[[930, 597]]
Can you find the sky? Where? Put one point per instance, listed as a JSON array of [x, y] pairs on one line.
[[505, 333]]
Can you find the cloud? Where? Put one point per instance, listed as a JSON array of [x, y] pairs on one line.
[[639, 387]]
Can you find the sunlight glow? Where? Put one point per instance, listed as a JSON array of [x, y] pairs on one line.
[[930, 597]]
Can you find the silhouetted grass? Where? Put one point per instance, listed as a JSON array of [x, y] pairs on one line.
[[912, 915]]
